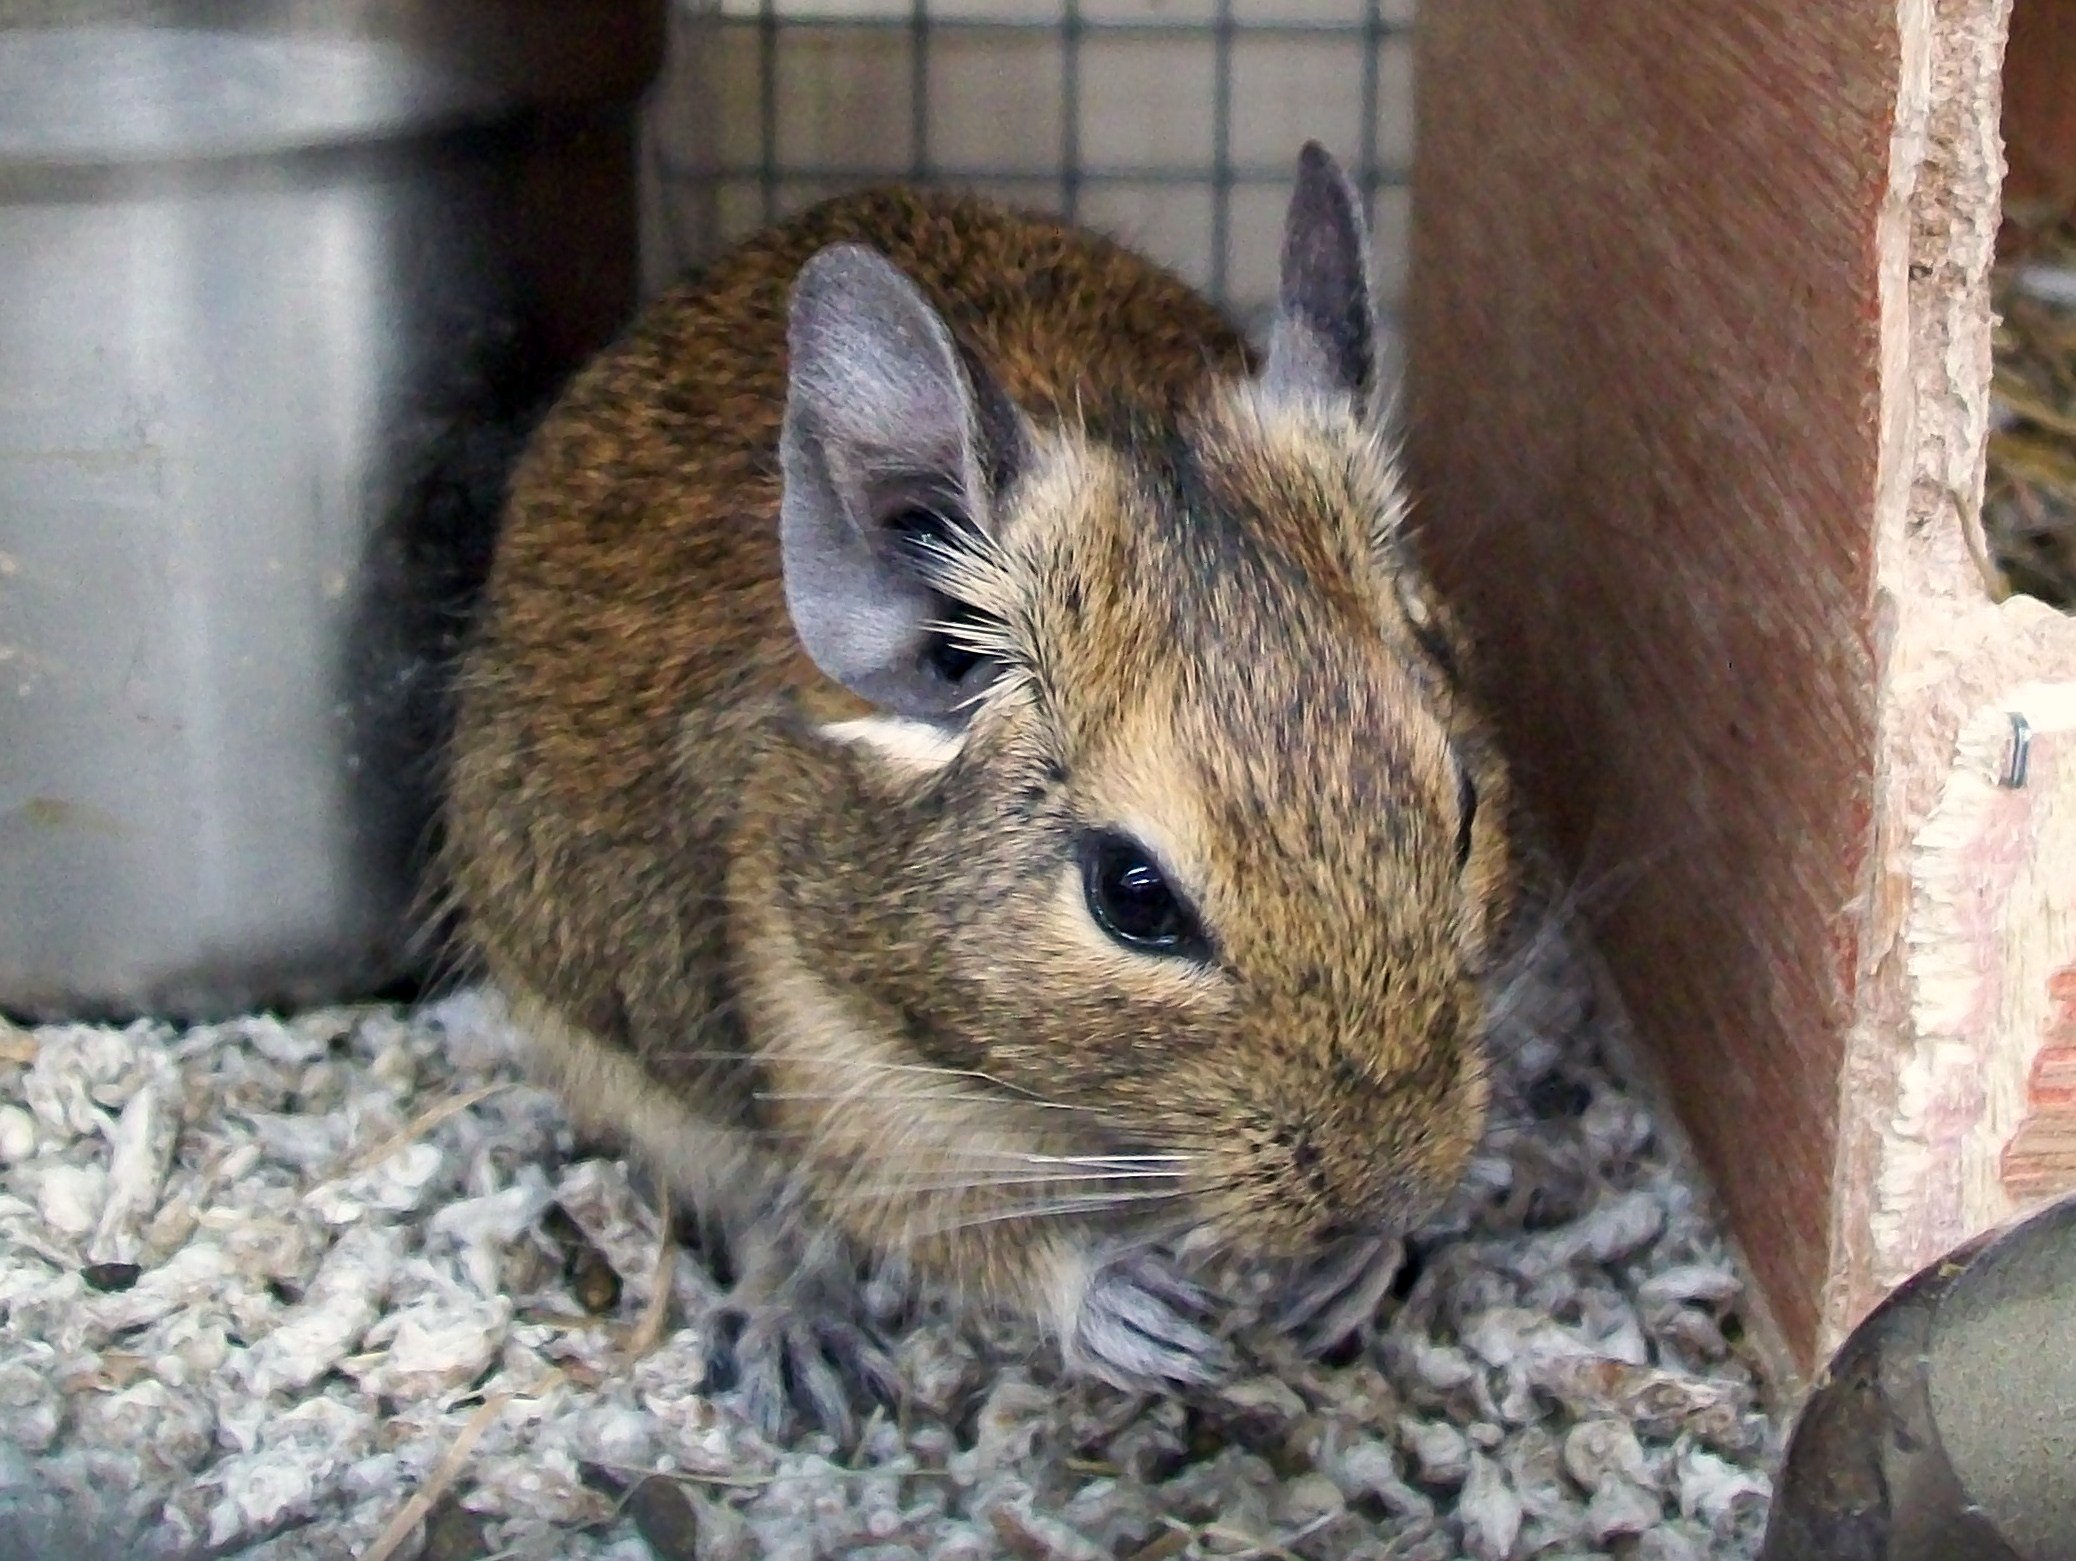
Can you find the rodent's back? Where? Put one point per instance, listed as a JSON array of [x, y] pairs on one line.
[[635, 616]]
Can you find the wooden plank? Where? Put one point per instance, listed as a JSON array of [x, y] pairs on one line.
[[1917, 1167], [1698, 341], [2040, 1159], [1984, 1123], [1644, 336]]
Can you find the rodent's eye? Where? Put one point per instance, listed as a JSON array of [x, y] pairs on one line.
[[1132, 900], [1466, 813]]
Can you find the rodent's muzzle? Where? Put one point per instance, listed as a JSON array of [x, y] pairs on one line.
[[1347, 1153], [1302, 1189]]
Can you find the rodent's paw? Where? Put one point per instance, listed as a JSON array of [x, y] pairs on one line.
[[1338, 1292], [794, 1363], [1142, 1327]]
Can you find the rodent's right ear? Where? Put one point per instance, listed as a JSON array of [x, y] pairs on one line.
[[893, 450], [1324, 339]]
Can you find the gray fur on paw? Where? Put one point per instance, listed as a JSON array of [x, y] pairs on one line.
[[1339, 1292], [791, 1363], [1143, 1327]]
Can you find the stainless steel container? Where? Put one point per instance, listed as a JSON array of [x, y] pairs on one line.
[[264, 268]]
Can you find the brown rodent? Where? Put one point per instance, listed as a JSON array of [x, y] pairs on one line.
[[957, 746]]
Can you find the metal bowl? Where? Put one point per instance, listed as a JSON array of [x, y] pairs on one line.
[[282, 284]]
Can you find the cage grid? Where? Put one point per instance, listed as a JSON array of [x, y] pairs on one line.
[[1174, 124]]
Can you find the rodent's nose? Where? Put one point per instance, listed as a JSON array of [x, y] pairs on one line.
[[1341, 1185], [1360, 1181]]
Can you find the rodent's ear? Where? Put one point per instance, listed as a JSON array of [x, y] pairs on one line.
[[1325, 333], [893, 448]]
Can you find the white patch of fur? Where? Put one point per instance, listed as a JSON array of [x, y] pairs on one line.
[[914, 746], [1064, 1278]]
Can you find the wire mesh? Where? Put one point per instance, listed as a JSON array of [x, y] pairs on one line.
[[1174, 124]]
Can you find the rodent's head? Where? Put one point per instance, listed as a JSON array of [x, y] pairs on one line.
[[1170, 812]]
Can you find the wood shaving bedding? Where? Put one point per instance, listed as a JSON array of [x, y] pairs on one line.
[[342, 1284]]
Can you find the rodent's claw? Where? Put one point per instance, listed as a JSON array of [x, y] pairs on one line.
[[1339, 1291], [1141, 1326], [790, 1364]]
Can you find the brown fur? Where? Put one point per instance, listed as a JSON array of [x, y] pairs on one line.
[[743, 943]]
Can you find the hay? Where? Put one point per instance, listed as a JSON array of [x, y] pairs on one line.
[[2029, 503]]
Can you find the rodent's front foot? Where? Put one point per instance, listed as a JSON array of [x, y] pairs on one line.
[[800, 1358], [1338, 1292], [1142, 1326]]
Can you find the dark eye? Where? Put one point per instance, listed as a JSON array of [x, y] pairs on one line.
[[1132, 900], [1466, 815]]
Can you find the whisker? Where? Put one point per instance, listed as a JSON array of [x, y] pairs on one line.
[[947, 1147], [904, 1184], [903, 1097], [1031, 1157], [818, 1059], [1056, 1209], [1103, 1159]]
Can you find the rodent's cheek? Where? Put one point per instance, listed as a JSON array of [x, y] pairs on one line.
[[1086, 951], [1489, 885], [1438, 1156], [1473, 1103]]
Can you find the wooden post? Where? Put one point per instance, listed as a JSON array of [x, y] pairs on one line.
[[1698, 340]]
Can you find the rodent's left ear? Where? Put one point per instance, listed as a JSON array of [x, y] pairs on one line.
[[1324, 337], [894, 448]]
